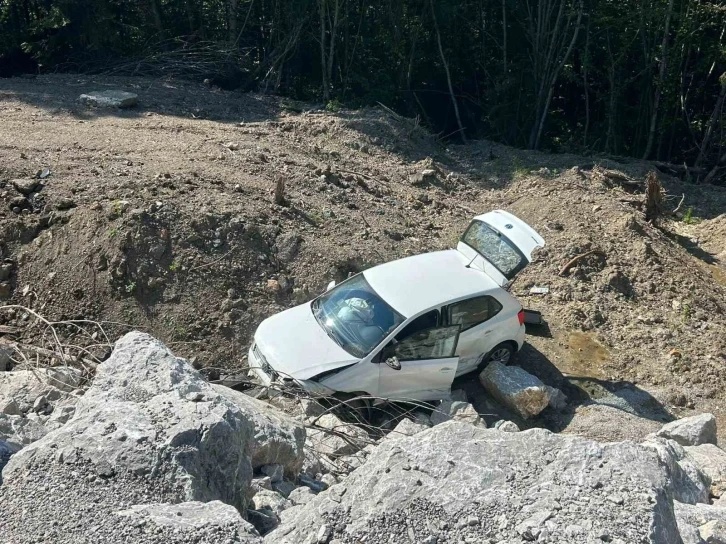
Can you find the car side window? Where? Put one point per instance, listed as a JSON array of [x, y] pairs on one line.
[[428, 344], [429, 320], [470, 313]]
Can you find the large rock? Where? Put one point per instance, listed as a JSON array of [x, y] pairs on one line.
[[332, 437], [20, 430], [711, 461], [6, 450], [198, 521], [713, 532], [691, 431], [110, 99], [690, 485], [607, 424], [692, 518], [150, 429], [460, 410], [25, 386], [278, 439], [457, 482], [515, 388], [6, 353]]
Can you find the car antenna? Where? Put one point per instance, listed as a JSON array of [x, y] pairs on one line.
[[472, 260]]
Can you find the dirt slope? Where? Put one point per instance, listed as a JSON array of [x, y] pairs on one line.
[[163, 218]]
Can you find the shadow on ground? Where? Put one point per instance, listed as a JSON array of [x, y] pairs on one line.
[[58, 94], [581, 391]]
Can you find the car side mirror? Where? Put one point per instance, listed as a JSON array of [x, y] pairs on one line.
[[393, 362], [330, 286]]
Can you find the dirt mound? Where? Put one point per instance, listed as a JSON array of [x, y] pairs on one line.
[[163, 218]]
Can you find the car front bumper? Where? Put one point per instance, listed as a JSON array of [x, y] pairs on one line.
[[259, 366]]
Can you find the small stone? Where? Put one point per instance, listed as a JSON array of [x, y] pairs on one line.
[[110, 99], [616, 499], [5, 271], [65, 203], [10, 407], [472, 521], [506, 426], [323, 534], [25, 186], [275, 472], [40, 404]]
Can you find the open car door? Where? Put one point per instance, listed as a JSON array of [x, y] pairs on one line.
[[420, 367], [499, 244]]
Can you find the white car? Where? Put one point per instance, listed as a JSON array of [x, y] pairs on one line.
[[405, 329]]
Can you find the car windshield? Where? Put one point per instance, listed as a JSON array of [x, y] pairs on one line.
[[355, 316], [495, 248]]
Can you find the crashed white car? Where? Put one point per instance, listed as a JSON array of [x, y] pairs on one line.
[[405, 329]]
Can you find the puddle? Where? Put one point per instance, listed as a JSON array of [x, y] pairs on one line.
[[586, 356]]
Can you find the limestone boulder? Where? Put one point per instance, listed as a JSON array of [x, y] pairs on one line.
[[515, 388], [149, 414], [691, 431], [458, 482]]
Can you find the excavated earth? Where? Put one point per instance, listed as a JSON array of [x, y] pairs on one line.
[[163, 218]]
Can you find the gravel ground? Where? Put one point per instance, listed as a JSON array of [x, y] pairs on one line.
[[71, 504]]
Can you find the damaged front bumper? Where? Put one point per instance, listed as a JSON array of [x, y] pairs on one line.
[[261, 369]]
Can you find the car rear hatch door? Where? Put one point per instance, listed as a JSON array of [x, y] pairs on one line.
[[499, 244]]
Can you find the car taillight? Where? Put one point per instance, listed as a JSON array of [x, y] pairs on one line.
[[520, 316]]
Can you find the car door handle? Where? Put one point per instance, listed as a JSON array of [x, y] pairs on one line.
[[488, 332], [445, 369]]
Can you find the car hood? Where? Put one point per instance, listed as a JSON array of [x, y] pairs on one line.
[[296, 346]]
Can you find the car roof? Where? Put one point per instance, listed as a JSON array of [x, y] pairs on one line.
[[415, 284]]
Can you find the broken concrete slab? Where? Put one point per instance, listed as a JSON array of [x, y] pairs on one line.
[[691, 431], [110, 99], [515, 388]]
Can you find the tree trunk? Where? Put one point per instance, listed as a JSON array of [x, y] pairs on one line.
[[712, 123], [661, 81], [504, 36], [156, 14], [552, 72], [448, 74], [333, 36], [586, 86], [232, 20], [190, 16], [323, 62]]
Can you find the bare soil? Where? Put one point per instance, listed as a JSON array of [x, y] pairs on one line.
[[163, 218]]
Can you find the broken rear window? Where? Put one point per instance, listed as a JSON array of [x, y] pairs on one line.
[[495, 248]]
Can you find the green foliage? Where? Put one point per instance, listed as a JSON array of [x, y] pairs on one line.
[[173, 267], [689, 218], [333, 106]]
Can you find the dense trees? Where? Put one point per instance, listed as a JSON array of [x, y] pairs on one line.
[[633, 77]]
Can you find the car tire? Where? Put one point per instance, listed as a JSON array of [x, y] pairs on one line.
[[502, 353], [354, 408]]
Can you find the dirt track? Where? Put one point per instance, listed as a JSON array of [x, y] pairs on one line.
[[163, 218]]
